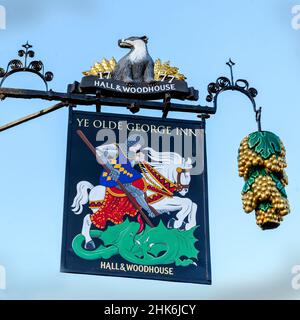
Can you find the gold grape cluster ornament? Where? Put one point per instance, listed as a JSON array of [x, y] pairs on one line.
[[262, 164]]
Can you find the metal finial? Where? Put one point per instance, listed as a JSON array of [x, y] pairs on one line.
[[223, 84], [230, 63], [35, 66]]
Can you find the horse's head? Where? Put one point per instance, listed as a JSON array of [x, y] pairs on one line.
[[173, 167], [183, 176]]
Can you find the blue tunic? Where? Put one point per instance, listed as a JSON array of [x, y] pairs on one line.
[[127, 173]]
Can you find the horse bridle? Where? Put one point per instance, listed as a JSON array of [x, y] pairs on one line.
[[181, 186]]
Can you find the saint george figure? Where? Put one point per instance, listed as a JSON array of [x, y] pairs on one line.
[[121, 159]]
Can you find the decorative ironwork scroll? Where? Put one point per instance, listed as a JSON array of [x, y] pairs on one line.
[[35, 66]]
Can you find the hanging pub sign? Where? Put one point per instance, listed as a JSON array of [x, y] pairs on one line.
[[136, 198], [136, 191]]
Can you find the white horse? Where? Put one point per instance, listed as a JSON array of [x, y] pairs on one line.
[[171, 166]]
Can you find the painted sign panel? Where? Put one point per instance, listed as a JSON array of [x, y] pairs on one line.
[[136, 198]]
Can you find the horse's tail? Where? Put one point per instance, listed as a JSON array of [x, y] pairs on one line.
[[82, 196]]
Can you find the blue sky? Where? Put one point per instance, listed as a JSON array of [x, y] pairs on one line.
[[199, 37]]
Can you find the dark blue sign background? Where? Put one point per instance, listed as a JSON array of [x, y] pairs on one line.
[[82, 165]]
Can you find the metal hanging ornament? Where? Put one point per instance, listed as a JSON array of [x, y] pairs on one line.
[[261, 160], [262, 164]]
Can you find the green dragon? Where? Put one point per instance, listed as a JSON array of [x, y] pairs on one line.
[[153, 246]]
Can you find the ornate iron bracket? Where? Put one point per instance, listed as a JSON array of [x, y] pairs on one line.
[[35, 66], [224, 84], [75, 97]]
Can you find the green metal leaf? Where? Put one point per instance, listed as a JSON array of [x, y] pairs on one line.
[[264, 206], [264, 143], [250, 181], [279, 185]]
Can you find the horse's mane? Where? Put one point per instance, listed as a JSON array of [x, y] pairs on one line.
[[159, 159]]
